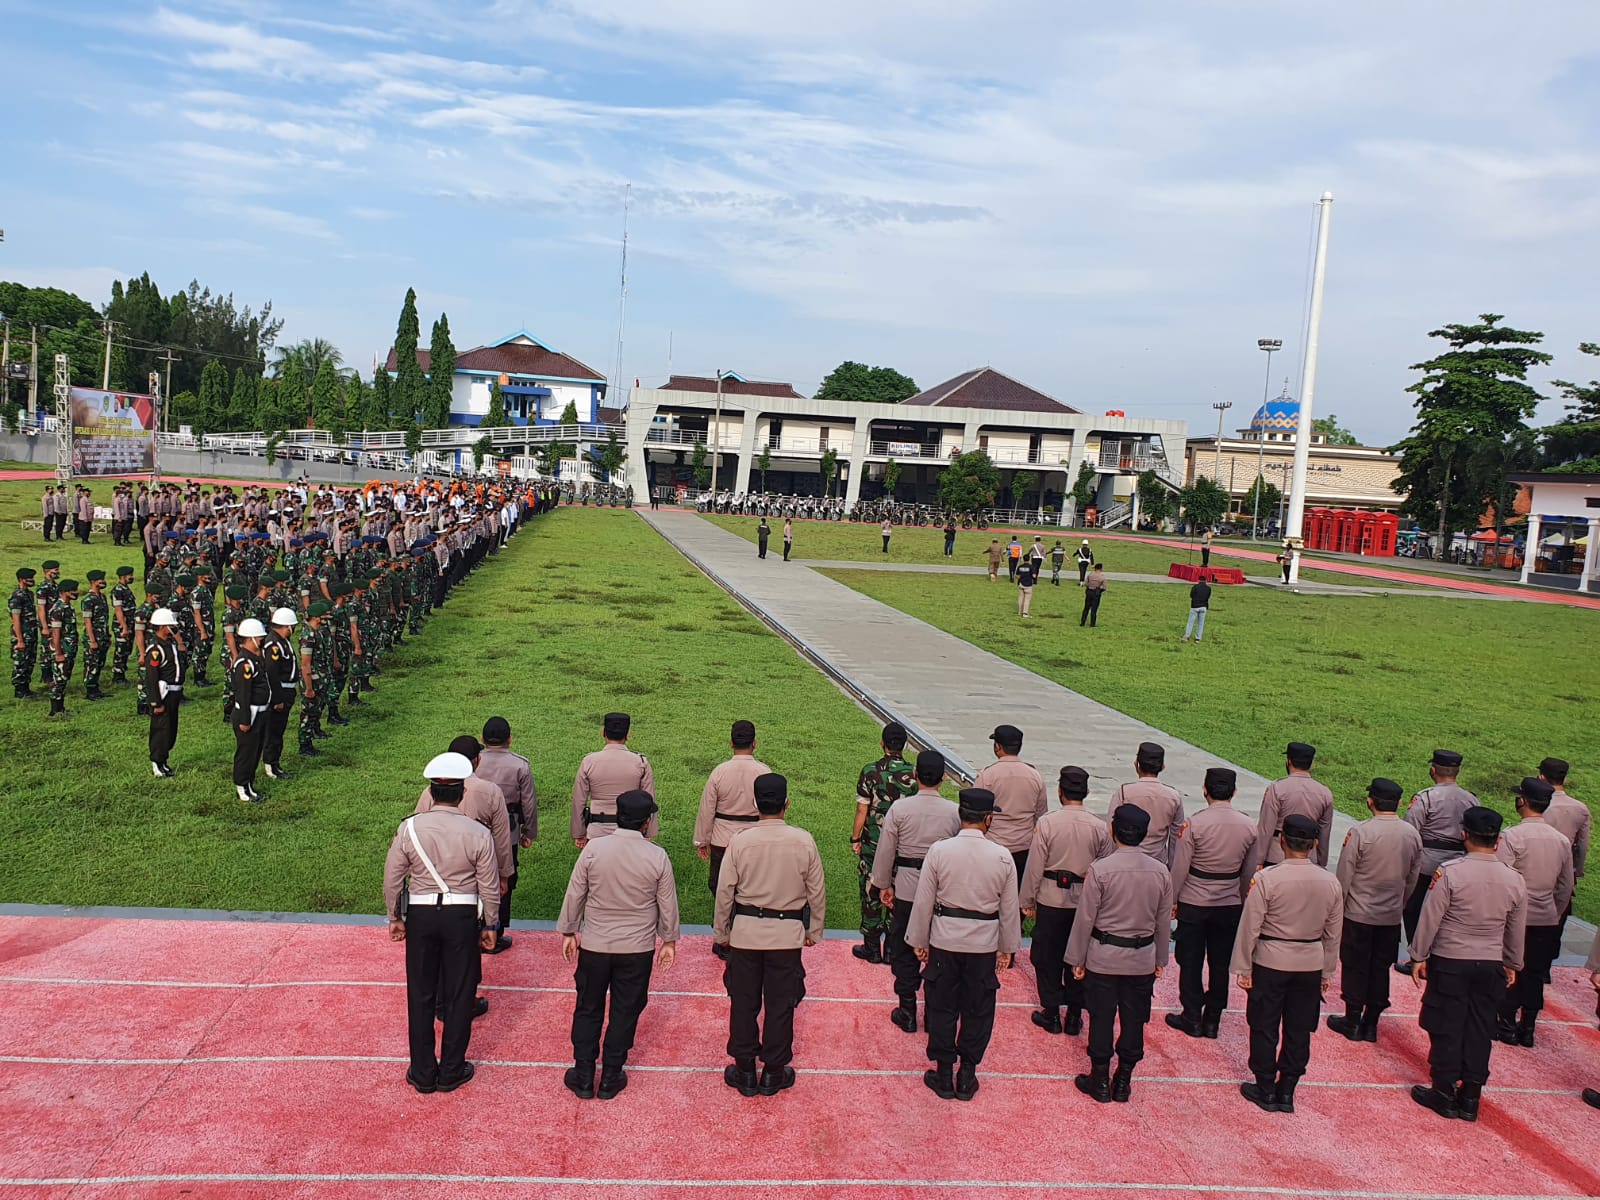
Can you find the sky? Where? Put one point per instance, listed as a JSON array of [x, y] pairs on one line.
[[1109, 202]]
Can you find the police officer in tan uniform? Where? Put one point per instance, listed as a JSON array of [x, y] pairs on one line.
[[1216, 858], [1435, 812], [1118, 948], [1065, 842], [1591, 1096], [1160, 801], [1543, 857], [1019, 795], [963, 926], [914, 824], [603, 776], [1284, 957], [1296, 792], [623, 897], [1467, 950], [439, 882], [1376, 869], [500, 765], [728, 803], [771, 902], [1569, 815]]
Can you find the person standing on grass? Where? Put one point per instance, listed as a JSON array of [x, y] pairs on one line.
[[1286, 558], [763, 532], [24, 615], [949, 539], [1205, 548], [887, 528], [1199, 601], [1058, 555], [994, 554], [1013, 558], [1036, 556], [1027, 575], [1084, 557], [1094, 590], [162, 668], [788, 538]]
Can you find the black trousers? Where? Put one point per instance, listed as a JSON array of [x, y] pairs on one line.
[[1458, 1011], [443, 968], [1051, 929], [247, 746], [1366, 956], [1205, 556], [511, 882], [272, 738], [886, 543], [1091, 607], [1281, 1010], [961, 992], [763, 984], [1083, 572], [626, 979], [1204, 941], [714, 867], [761, 547], [788, 545], [902, 958], [1011, 568], [163, 729], [1123, 1000], [1020, 857], [1413, 912], [1542, 946]]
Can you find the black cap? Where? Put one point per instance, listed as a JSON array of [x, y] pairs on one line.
[[1384, 789], [467, 746], [771, 787], [1298, 825], [1227, 777], [616, 725], [1074, 783], [930, 762], [976, 801], [1301, 754], [1152, 753], [1009, 737], [636, 805], [497, 729], [744, 733], [1535, 789], [1130, 823], [1482, 822], [1446, 758]]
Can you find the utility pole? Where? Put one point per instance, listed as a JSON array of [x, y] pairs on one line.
[[33, 375], [716, 452], [1271, 346], [165, 391], [1222, 410], [105, 375], [5, 365], [1308, 390]]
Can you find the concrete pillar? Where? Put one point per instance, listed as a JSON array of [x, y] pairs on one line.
[[641, 412], [857, 458], [747, 450], [1591, 555], [1530, 550]]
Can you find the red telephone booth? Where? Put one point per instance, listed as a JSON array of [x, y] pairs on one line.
[[1387, 534], [1317, 528], [1366, 531]]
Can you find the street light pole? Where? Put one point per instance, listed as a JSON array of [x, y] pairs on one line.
[[716, 451], [1308, 390], [1216, 472], [1271, 346]]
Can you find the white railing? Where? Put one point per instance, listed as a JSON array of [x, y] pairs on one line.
[[1113, 515], [1138, 464], [726, 439], [900, 451], [801, 445]]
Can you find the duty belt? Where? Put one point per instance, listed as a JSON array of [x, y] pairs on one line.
[[966, 914], [1064, 878], [1444, 844], [1127, 943], [914, 864], [769, 914], [1267, 937], [721, 816], [440, 899], [1197, 873], [594, 818]]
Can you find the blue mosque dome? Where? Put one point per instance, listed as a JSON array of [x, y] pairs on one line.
[[1279, 417]]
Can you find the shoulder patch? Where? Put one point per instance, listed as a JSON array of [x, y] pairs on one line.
[[1437, 875], [1183, 829]]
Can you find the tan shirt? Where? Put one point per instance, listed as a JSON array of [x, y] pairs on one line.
[[514, 776], [623, 895], [1436, 814], [1217, 840], [1292, 920], [1065, 842], [1378, 868], [1165, 807], [913, 825], [730, 789], [602, 777], [966, 871], [1571, 817], [462, 852], [486, 804], [1543, 857], [1290, 795], [771, 865], [1020, 799], [1476, 910], [1129, 894]]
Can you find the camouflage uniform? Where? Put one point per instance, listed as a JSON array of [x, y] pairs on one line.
[[881, 783], [419, 588], [320, 640], [125, 602], [26, 653], [232, 613], [142, 636], [63, 617], [97, 615], [45, 596], [205, 632]]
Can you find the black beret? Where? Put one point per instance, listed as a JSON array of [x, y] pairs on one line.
[[121, 571], [1074, 783], [1153, 753], [1384, 789], [94, 575], [50, 564], [1131, 819], [1226, 776], [26, 572], [976, 800], [1535, 789], [770, 787], [1482, 822], [1298, 825], [1446, 758], [68, 585], [616, 725]]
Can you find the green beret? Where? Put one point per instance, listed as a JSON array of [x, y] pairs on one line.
[[68, 585], [319, 609], [236, 591], [204, 572], [184, 581], [280, 576], [26, 572], [153, 589], [92, 576], [50, 564], [124, 572], [341, 589]]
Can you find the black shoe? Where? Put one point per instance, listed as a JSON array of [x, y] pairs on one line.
[[742, 1078], [870, 950], [467, 1072], [424, 1088], [480, 1006], [905, 1018], [22, 693], [1184, 1025], [940, 1082], [1505, 1029], [1467, 1097], [1591, 1097], [1443, 1103], [307, 750], [274, 771], [1404, 968], [612, 1081], [1348, 1028], [337, 721], [1369, 1030], [1261, 1095], [1211, 1028], [1047, 1019], [1072, 1026], [1122, 1083], [966, 1082], [501, 944], [97, 694], [167, 772], [772, 1082], [1097, 1084], [321, 734], [579, 1080], [1285, 1096], [1525, 1032]]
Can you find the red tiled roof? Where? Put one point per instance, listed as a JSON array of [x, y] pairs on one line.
[[610, 416], [987, 388], [731, 387], [513, 358]]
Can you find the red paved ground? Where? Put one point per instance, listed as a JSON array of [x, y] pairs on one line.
[[162, 1058]]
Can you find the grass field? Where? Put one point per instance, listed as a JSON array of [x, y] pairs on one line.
[[1375, 682], [585, 612]]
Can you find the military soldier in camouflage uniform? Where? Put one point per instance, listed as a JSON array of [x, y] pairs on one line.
[[182, 606], [282, 594], [233, 613], [360, 664], [96, 635], [44, 598], [63, 644], [260, 605], [158, 577], [205, 606], [881, 783], [419, 587], [143, 635], [338, 623], [123, 605], [316, 676], [24, 614]]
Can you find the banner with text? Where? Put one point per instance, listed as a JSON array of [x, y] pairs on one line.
[[113, 433]]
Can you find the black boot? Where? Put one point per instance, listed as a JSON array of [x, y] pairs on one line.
[[1073, 1025], [1047, 1019], [1440, 1100], [612, 1080], [1184, 1024], [58, 708], [940, 1079], [967, 1081], [905, 1016], [1525, 1029], [1096, 1084], [1505, 1029], [1210, 1027], [741, 1074], [308, 749], [774, 1080], [1261, 1093], [1285, 1094], [871, 948], [1347, 1026], [1467, 1097], [1122, 1082], [580, 1080], [333, 716]]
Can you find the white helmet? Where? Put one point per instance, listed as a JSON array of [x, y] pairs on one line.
[[284, 616], [163, 616], [250, 627]]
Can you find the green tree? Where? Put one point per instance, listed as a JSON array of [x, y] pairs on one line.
[[354, 402], [242, 403], [1332, 432], [702, 470], [891, 477], [269, 413], [67, 325], [375, 414], [327, 399], [569, 414], [853, 382], [212, 410], [830, 470], [441, 375], [1204, 502], [294, 396], [1022, 485], [481, 449], [202, 324], [413, 441], [1155, 497], [1270, 495], [496, 416], [1083, 488], [970, 483], [1574, 443], [613, 455], [764, 464], [410, 385], [185, 411], [1473, 394]]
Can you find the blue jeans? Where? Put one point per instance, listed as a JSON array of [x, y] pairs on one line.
[[1196, 625]]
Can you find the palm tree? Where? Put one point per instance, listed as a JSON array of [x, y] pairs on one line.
[[308, 354]]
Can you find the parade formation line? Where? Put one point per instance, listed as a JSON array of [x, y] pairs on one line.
[[263, 1076]]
